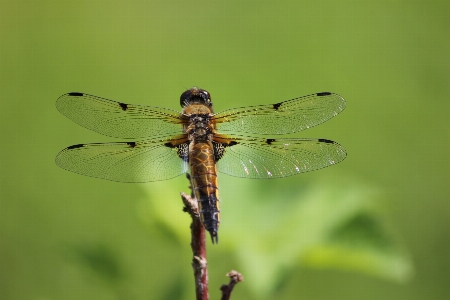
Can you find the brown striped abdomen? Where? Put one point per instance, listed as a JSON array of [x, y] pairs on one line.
[[205, 185]]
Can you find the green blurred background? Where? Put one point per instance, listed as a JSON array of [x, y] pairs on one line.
[[373, 227]]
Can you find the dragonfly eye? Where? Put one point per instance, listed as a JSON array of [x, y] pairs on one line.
[[195, 95]]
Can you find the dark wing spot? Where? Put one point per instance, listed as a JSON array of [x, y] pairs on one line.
[[75, 146], [124, 106], [183, 151], [76, 94], [277, 105], [131, 144], [270, 141], [325, 141], [324, 94], [220, 149]]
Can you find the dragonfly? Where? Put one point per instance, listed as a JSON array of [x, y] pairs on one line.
[[164, 143]]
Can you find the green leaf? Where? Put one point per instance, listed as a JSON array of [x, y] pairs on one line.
[[362, 245]]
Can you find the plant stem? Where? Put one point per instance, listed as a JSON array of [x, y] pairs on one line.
[[198, 245]]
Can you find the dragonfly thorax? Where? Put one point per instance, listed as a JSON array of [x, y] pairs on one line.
[[200, 128]]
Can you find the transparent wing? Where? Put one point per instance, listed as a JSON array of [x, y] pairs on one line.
[[118, 119], [281, 118], [141, 161], [250, 157]]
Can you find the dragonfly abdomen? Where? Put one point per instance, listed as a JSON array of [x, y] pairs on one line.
[[205, 185]]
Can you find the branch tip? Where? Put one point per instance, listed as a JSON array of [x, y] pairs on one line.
[[235, 277]]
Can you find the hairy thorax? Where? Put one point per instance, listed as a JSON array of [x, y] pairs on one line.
[[199, 127]]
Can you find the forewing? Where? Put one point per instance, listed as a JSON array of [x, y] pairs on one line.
[[281, 118], [250, 157], [118, 119], [142, 161]]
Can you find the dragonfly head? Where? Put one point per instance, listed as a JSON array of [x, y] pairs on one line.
[[195, 96]]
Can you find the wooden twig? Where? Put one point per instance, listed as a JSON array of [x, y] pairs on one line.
[[198, 245], [235, 277]]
